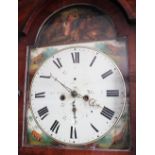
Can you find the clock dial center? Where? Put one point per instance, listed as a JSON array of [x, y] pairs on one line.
[[74, 93]]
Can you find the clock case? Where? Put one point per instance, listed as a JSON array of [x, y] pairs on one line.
[[118, 138], [31, 32]]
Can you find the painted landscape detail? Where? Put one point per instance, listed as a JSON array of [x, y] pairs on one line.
[[118, 137], [76, 24]]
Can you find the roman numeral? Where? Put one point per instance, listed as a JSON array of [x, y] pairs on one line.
[[43, 112], [92, 62], [40, 95], [107, 113], [106, 74], [55, 126], [94, 127], [57, 63], [45, 76], [112, 93], [73, 133], [76, 57]]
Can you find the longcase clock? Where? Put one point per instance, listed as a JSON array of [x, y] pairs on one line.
[[77, 77]]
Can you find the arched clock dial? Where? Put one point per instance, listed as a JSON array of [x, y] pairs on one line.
[[77, 95]]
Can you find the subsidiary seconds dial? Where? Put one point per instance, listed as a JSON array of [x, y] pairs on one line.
[[77, 95]]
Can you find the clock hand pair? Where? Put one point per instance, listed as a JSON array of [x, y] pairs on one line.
[[91, 101], [73, 92]]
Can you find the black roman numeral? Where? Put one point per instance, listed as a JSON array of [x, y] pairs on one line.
[[40, 95], [94, 127], [43, 112], [73, 133], [112, 93], [55, 126], [57, 63], [92, 62], [107, 113], [76, 57], [106, 74], [45, 76]]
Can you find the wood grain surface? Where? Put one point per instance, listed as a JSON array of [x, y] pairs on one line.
[[31, 15]]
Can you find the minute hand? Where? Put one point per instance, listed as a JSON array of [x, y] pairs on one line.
[[67, 88]]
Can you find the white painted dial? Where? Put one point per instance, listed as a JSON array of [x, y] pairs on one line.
[[77, 95]]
